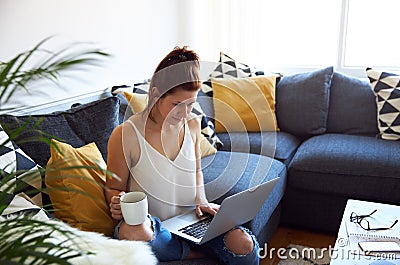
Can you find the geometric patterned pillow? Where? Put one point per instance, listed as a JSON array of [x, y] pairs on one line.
[[207, 127], [386, 87], [23, 173], [140, 88], [226, 68], [230, 68], [21, 204]]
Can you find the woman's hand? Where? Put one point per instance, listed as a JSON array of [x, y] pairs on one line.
[[115, 206], [207, 207]]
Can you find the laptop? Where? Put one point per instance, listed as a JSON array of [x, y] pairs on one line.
[[234, 210]]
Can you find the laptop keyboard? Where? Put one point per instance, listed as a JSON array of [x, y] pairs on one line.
[[197, 229]]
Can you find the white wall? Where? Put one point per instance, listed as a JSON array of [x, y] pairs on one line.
[[138, 33]]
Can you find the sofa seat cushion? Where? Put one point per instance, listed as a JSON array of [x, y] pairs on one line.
[[355, 166], [227, 173], [279, 145]]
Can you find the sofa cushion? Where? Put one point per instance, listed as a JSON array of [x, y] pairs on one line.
[[92, 122], [386, 87], [118, 91], [206, 109], [350, 165], [227, 67], [244, 104], [137, 102], [21, 204], [352, 107], [75, 178], [227, 173], [302, 102], [279, 145], [20, 173]]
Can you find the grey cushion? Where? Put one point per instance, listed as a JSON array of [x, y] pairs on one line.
[[92, 122], [124, 111], [227, 173], [279, 145], [302, 102], [355, 166], [206, 103], [352, 107]]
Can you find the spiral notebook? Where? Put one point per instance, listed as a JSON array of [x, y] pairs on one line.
[[357, 233]]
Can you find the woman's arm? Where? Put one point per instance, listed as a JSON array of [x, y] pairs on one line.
[[117, 164], [202, 204]]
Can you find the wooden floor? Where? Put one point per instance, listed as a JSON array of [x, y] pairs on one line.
[[285, 236]]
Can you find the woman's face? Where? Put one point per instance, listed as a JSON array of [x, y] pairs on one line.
[[176, 105]]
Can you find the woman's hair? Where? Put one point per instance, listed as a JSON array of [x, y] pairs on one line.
[[179, 69]]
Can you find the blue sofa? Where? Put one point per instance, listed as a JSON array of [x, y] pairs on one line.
[[347, 160], [328, 142], [325, 151]]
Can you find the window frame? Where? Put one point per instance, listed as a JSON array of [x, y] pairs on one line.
[[338, 61]]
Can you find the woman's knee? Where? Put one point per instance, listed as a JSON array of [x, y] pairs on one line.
[[239, 242]]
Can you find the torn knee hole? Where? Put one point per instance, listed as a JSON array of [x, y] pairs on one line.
[[239, 242]]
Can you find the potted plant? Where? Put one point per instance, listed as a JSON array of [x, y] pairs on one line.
[[24, 240]]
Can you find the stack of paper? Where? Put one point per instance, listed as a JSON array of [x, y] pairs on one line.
[[357, 235]]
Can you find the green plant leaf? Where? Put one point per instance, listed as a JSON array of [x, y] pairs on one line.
[[24, 240]]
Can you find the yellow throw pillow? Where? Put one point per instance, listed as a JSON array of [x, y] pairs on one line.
[[244, 104], [138, 102], [75, 179]]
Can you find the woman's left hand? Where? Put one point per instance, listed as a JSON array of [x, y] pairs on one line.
[[207, 207]]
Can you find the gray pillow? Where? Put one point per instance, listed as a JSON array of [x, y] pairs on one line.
[[352, 107], [302, 102], [78, 126]]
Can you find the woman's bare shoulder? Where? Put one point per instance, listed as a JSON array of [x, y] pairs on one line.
[[126, 127]]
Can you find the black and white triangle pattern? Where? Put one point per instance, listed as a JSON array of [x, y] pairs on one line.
[[386, 87], [207, 127], [20, 204], [24, 172], [226, 68]]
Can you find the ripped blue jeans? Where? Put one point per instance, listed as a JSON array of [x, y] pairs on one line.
[[168, 247]]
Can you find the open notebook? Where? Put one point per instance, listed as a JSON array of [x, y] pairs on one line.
[[357, 235]]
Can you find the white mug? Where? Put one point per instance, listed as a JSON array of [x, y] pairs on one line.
[[134, 207]]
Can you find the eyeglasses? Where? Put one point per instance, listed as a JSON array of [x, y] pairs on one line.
[[364, 223]]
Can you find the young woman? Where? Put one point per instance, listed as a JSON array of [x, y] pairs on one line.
[[158, 151]]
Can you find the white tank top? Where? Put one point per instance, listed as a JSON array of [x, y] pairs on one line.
[[170, 185]]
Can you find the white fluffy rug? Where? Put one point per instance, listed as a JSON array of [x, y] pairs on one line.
[[110, 251], [105, 250]]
